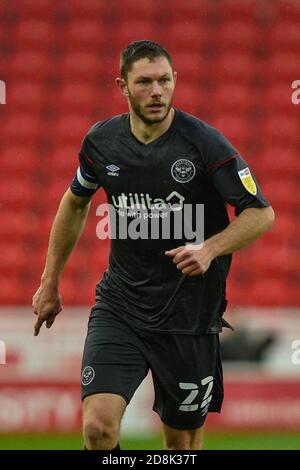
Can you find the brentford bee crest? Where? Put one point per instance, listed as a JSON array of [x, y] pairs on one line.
[[183, 170], [88, 375]]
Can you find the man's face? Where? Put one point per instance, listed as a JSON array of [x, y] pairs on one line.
[[150, 86]]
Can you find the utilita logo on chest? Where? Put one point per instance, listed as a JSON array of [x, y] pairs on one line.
[[174, 201], [112, 170]]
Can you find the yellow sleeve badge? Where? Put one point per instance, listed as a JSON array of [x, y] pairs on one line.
[[248, 181]]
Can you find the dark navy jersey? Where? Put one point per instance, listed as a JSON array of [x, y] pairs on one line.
[[191, 164]]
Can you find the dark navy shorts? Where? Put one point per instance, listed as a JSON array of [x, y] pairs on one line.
[[186, 369]]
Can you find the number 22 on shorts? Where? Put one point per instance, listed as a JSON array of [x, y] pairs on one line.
[[187, 404]]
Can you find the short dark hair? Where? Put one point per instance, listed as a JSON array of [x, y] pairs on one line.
[[140, 50]]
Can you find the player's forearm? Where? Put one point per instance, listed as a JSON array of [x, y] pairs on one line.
[[65, 232], [244, 229]]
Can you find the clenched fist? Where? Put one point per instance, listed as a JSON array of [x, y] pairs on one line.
[[191, 260]]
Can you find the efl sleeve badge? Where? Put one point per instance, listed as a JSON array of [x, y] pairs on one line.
[[248, 181]]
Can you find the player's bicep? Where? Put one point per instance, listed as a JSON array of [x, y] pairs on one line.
[[237, 185], [79, 202]]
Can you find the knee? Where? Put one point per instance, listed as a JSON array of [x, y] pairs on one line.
[[179, 445], [100, 434], [184, 441], [183, 445]]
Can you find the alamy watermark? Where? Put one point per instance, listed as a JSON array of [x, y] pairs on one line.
[[296, 94], [138, 216], [295, 357], [2, 92], [2, 352]]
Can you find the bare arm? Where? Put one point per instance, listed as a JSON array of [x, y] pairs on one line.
[[66, 231], [244, 229]]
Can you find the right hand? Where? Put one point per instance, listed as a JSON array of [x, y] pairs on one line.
[[46, 304]]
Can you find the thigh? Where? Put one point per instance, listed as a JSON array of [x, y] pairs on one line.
[[113, 360], [187, 380], [107, 407]]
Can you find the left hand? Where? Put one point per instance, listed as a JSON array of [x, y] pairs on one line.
[[191, 260]]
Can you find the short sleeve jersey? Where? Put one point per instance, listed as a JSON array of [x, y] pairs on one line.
[[192, 163]]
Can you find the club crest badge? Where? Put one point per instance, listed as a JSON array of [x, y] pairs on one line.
[[248, 181], [88, 375], [183, 170]]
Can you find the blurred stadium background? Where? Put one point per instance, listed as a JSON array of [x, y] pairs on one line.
[[236, 61]]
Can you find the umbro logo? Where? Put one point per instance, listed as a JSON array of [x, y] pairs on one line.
[[112, 170]]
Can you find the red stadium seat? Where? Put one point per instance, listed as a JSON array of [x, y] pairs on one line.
[[30, 96], [131, 9], [68, 290], [85, 34], [294, 293], [76, 291], [278, 97], [21, 227], [13, 259], [3, 8], [34, 10], [238, 293], [186, 95], [11, 294], [280, 161], [236, 67], [31, 65], [236, 35], [80, 97], [236, 98], [63, 160], [188, 37], [71, 128], [56, 186], [258, 290], [284, 230], [279, 130], [87, 9], [189, 11], [284, 36], [268, 292], [6, 34], [189, 66], [132, 30], [281, 193], [18, 160], [21, 197], [234, 127], [288, 10], [44, 228], [35, 34], [261, 273], [283, 67], [233, 11], [21, 128], [273, 261], [84, 66]]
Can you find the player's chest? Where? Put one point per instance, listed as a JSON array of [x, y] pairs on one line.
[[152, 171]]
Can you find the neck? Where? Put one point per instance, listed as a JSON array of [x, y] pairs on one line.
[[146, 133]]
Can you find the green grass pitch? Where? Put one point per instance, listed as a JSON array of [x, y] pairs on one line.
[[212, 441]]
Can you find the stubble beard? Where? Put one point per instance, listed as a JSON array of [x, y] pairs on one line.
[[139, 112]]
